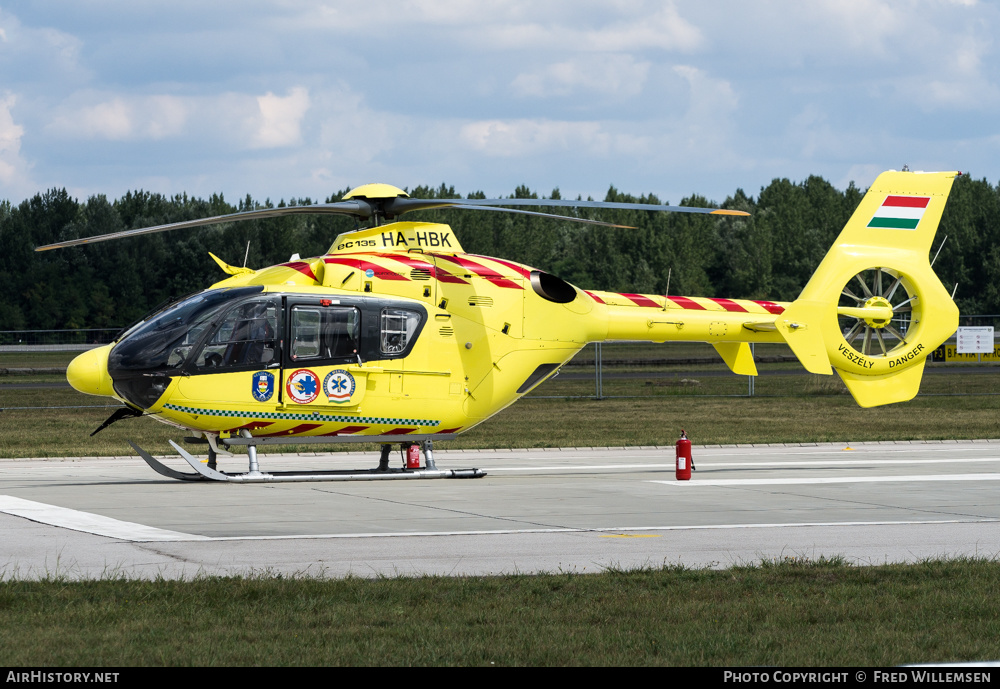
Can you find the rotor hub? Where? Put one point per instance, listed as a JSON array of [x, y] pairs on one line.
[[878, 312]]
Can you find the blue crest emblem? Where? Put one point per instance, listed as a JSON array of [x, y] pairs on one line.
[[262, 386], [338, 386]]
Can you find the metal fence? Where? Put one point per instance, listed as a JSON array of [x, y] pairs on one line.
[[68, 340], [639, 369]]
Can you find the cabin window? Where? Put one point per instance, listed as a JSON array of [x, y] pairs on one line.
[[245, 338], [398, 328], [325, 332]]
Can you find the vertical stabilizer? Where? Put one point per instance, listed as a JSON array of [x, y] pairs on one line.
[[874, 306]]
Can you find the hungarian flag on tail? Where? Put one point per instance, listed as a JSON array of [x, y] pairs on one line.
[[900, 212]]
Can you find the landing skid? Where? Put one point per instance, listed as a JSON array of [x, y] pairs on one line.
[[383, 472]]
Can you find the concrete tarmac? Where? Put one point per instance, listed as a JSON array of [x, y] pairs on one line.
[[579, 510]]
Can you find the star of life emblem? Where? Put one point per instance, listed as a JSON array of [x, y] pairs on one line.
[[302, 386], [338, 386]]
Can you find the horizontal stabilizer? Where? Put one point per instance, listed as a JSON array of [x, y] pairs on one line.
[[737, 356]]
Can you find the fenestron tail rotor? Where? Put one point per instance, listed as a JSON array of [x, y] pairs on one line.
[[875, 311]]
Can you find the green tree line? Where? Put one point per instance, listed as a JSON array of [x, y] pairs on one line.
[[769, 255]]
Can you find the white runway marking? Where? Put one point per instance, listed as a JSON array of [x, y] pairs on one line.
[[129, 531], [708, 464], [606, 530], [87, 522], [831, 479]]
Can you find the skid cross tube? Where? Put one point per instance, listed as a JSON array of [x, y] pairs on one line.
[[383, 472]]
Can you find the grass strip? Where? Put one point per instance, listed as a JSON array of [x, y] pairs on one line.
[[787, 613], [535, 422]]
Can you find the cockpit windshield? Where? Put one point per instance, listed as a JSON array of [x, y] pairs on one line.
[[164, 342]]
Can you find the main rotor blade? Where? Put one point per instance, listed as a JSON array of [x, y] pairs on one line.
[[543, 215], [405, 205], [363, 209], [358, 209]]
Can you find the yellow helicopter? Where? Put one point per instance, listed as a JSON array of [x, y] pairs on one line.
[[396, 335]]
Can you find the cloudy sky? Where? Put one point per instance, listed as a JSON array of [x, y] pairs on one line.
[[295, 98]]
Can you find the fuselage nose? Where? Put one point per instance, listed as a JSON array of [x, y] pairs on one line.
[[88, 373]]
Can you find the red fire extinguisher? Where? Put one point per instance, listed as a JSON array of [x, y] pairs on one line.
[[684, 463], [412, 456]]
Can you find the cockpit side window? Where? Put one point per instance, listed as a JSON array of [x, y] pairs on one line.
[[325, 333], [246, 337]]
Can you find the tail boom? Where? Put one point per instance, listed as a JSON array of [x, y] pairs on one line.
[[729, 325], [873, 310]]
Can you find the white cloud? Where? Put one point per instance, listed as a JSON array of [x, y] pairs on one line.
[[121, 118], [712, 100], [862, 175], [32, 53], [959, 81], [111, 120], [353, 133], [610, 74], [517, 138], [13, 168], [281, 118], [861, 24], [494, 93], [241, 120], [641, 27], [553, 26]]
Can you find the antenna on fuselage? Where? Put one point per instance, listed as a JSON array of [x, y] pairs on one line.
[[666, 293]]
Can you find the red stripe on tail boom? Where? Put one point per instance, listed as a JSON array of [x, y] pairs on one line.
[[686, 303], [640, 300], [730, 305], [770, 307]]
